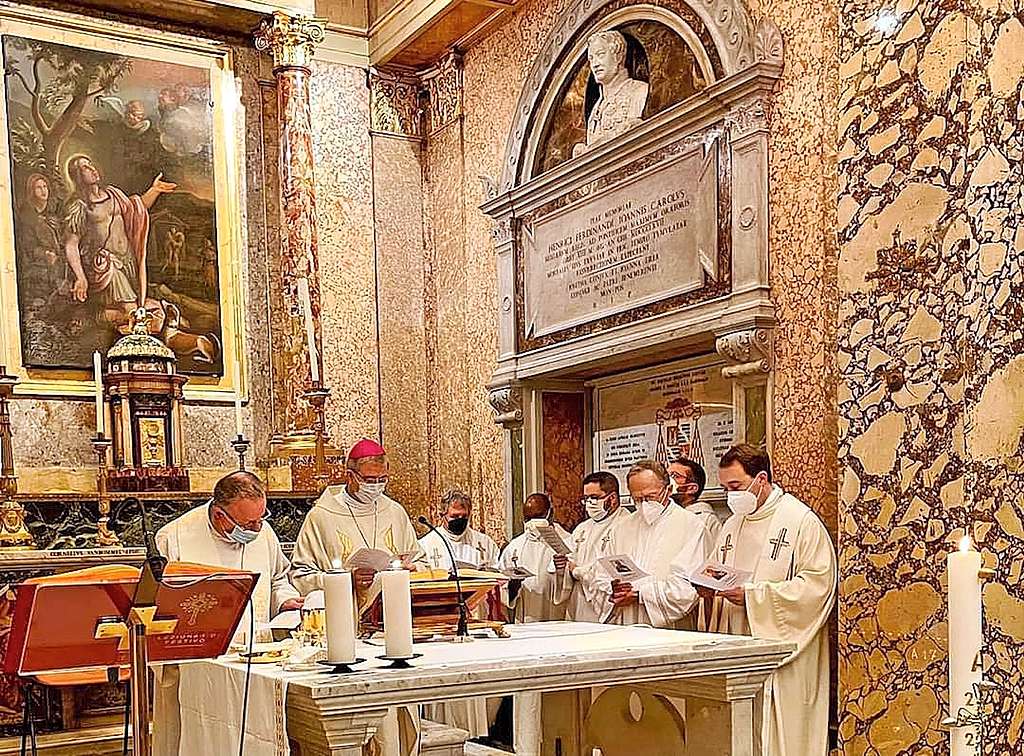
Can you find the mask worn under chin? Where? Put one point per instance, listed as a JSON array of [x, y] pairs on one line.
[[596, 510], [368, 493], [457, 525], [651, 510], [242, 536], [742, 502]]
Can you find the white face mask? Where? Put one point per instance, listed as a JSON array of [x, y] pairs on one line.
[[595, 509], [369, 493], [651, 510], [742, 502]]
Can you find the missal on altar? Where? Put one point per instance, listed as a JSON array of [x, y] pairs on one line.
[[375, 560], [719, 577]]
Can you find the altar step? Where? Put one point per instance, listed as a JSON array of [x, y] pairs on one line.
[[444, 740]]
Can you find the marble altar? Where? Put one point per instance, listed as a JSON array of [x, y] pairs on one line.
[[337, 714]]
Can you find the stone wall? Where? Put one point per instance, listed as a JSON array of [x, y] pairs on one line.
[[929, 360]]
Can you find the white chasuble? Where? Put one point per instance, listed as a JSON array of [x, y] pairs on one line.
[[536, 599], [338, 526], [668, 550], [580, 587], [191, 538], [471, 547], [789, 597]]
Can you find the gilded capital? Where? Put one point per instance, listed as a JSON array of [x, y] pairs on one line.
[[290, 40]]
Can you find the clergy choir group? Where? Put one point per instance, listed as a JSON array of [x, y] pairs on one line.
[[667, 531]]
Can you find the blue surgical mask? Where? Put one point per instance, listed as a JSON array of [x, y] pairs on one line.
[[242, 536]]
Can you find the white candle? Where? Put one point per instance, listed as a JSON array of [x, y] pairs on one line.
[[341, 623], [97, 376], [238, 400], [307, 314], [964, 642], [397, 613]]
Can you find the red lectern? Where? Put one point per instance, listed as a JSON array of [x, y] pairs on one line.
[[74, 627]]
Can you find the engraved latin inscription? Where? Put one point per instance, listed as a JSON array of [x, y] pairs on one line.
[[647, 238]]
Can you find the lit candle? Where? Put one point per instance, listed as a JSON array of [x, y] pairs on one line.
[[97, 374], [341, 623], [964, 641], [307, 314], [397, 613], [238, 400]]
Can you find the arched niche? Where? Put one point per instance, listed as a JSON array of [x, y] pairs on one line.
[[676, 202]]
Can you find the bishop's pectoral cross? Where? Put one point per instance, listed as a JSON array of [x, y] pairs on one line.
[[778, 543], [726, 547]]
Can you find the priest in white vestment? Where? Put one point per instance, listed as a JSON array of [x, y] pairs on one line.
[[344, 520], [789, 597], [532, 600], [665, 541], [688, 481], [477, 550], [578, 572], [227, 531]]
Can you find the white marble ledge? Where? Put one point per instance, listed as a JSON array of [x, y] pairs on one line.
[[543, 656]]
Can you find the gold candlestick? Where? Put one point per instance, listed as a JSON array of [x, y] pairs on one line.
[[13, 533], [317, 397], [101, 445]]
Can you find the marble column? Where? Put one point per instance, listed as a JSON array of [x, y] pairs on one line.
[[291, 40]]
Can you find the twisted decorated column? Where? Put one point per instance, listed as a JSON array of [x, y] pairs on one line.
[[291, 40]]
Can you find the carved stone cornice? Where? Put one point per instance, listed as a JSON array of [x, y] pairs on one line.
[[750, 352], [749, 117], [290, 40], [395, 104], [768, 45], [507, 403], [444, 89]]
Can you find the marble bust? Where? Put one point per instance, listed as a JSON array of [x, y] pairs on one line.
[[622, 100]]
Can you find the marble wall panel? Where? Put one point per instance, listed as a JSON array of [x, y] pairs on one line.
[[341, 117], [398, 219], [562, 425], [929, 342]]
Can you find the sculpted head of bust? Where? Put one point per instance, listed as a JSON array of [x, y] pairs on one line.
[[623, 98]]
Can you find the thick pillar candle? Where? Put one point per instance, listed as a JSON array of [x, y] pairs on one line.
[[341, 622], [97, 373], [964, 642], [397, 613]]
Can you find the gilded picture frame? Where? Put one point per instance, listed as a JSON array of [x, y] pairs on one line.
[[195, 60]]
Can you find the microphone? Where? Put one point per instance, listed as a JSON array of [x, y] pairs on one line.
[[153, 569], [463, 627]]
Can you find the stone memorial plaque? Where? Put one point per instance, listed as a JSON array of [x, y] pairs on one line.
[[646, 238]]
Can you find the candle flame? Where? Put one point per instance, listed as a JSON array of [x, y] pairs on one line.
[[396, 564], [336, 563], [965, 543]]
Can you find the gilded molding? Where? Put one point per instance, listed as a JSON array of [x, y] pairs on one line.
[[444, 89], [507, 403], [395, 104], [290, 40], [750, 352]]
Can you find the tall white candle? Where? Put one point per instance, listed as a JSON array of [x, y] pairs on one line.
[[397, 613], [964, 642], [238, 400], [97, 375], [307, 315], [341, 623]]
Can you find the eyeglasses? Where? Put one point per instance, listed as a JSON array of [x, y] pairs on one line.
[[680, 479], [371, 479], [253, 525], [659, 499], [594, 497]]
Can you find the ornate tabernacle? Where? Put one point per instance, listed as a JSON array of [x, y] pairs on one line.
[[145, 393], [435, 604]]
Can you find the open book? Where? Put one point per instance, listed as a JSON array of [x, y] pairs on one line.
[[375, 560]]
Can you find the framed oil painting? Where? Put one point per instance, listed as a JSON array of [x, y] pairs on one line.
[[121, 190]]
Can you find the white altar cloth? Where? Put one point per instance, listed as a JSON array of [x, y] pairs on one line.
[[537, 657]]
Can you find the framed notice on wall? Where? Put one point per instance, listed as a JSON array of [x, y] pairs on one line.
[[684, 409]]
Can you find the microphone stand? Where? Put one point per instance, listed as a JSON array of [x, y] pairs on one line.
[[139, 617], [462, 631]]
